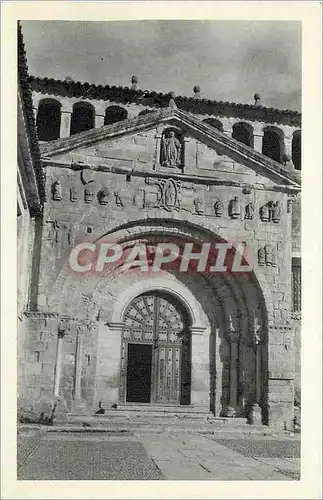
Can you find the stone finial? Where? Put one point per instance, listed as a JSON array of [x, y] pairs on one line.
[[197, 92], [257, 99], [172, 103], [134, 81]]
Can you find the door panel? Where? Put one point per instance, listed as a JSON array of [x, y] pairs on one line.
[[156, 321], [139, 373]]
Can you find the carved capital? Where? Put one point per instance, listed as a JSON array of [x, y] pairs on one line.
[[197, 330]]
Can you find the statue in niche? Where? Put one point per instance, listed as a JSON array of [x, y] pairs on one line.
[[264, 213], [57, 191], [249, 211], [88, 195], [171, 149], [276, 211], [261, 257], [103, 196], [270, 256], [199, 209], [74, 195], [235, 208], [218, 207]]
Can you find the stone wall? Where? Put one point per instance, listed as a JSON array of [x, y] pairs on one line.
[[130, 208]]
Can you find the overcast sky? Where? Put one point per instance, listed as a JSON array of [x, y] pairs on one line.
[[230, 60]]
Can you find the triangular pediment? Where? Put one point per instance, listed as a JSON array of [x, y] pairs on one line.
[[133, 143]]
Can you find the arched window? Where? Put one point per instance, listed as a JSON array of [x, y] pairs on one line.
[[48, 119], [273, 143], [297, 149], [115, 114], [243, 132], [214, 123], [82, 117]]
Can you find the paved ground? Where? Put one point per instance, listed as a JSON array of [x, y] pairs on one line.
[[149, 456]]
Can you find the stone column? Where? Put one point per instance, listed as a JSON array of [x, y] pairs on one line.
[[288, 140], [158, 144], [258, 135], [66, 114], [186, 153], [63, 328], [99, 121], [58, 363], [200, 369], [255, 411], [233, 337], [78, 364], [228, 128]]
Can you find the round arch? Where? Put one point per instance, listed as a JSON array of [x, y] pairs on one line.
[[243, 132], [83, 116], [48, 120], [214, 123], [273, 143], [161, 284], [297, 149], [115, 114]]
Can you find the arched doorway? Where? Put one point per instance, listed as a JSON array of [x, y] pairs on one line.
[[155, 352]]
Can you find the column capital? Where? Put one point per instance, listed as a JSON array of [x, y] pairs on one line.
[[115, 326], [197, 330], [67, 109]]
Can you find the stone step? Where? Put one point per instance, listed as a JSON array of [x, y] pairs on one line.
[[161, 409]]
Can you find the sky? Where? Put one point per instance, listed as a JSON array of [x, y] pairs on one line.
[[230, 60]]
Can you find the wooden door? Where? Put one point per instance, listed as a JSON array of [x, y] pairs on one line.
[[158, 320]]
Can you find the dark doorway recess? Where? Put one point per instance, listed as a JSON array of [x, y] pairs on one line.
[[139, 373]]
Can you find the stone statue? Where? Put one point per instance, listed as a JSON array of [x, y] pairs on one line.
[[198, 207], [235, 208], [71, 235], [171, 151], [119, 201], [88, 195], [270, 256], [249, 211], [276, 212], [74, 195], [103, 196], [264, 213], [261, 256], [57, 191], [218, 207]]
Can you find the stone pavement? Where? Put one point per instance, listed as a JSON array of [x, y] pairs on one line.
[[193, 457], [169, 455]]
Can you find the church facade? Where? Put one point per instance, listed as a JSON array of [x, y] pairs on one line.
[[135, 294]]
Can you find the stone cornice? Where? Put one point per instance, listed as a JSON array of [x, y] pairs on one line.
[[205, 133], [124, 95], [197, 179], [25, 108], [41, 314]]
